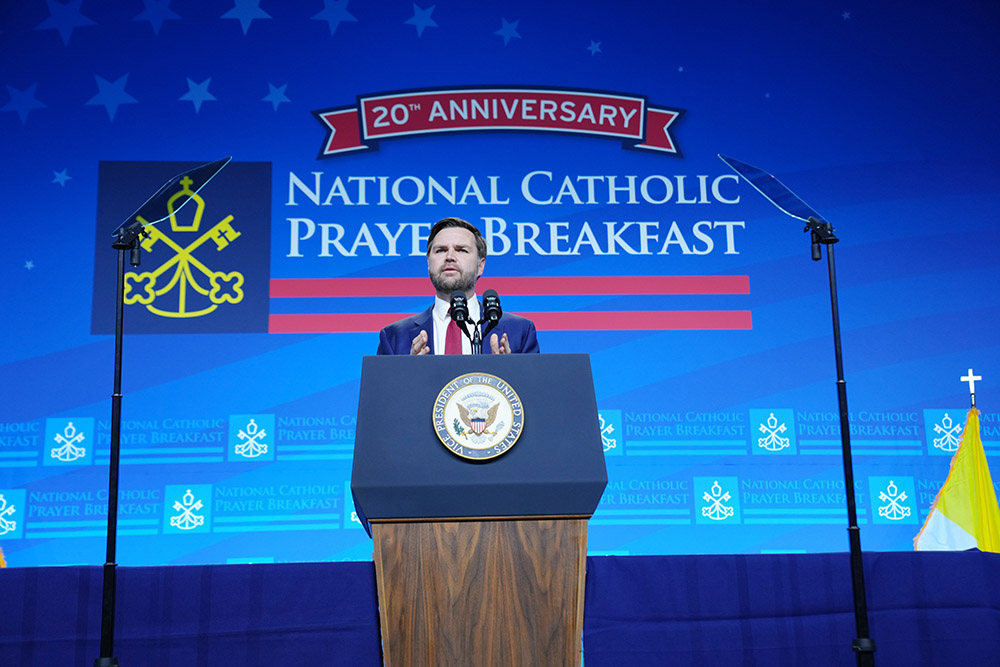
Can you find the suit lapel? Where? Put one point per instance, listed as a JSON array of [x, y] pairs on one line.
[[424, 321]]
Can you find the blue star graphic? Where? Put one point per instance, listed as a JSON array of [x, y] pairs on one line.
[[276, 95], [845, 15], [508, 30], [246, 11], [156, 12], [198, 93], [422, 19], [29, 265], [334, 13], [22, 101], [111, 94], [594, 48], [64, 18], [61, 177]]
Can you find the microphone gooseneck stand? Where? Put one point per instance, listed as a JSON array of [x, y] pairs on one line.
[[821, 233]]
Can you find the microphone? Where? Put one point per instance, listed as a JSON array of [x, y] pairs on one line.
[[460, 316], [491, 307], [491, 310], [459, 308]]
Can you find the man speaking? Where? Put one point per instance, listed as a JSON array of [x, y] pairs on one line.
[[456, 256]]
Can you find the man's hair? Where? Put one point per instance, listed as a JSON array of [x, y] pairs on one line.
[[444, 223]]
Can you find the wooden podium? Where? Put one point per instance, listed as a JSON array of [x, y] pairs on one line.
[[479, 563]]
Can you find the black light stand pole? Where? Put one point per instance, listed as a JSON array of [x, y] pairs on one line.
[[127, 241], [863, 645]]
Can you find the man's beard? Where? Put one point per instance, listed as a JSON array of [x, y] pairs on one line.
[[448, 284]]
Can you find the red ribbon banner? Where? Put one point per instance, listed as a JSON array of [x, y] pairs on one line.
[[609, 115]]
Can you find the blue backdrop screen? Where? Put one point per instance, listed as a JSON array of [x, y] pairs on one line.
[[582, 139]]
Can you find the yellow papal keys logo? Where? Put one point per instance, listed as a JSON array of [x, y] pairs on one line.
[[199, 290]]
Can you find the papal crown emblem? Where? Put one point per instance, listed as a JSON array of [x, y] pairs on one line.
[[185, 193], [183, 285]]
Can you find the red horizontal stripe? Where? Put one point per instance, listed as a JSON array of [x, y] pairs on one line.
[[331, 322], [553, 321], [522, 286], [641, 320], [325, 287]]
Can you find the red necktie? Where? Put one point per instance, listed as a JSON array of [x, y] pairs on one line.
[[452, 339]]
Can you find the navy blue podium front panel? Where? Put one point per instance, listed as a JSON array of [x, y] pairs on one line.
[[403, 470]]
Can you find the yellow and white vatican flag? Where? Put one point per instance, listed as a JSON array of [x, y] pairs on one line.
[[965, 513]]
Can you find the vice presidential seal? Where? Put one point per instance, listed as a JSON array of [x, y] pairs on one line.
[[478, 416]]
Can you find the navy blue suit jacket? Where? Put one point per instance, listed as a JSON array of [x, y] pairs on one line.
[[398, 336]]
